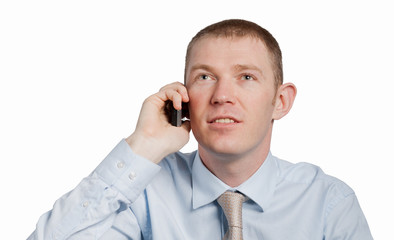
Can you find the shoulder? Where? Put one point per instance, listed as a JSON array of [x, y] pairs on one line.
[[178, 162], [174, 181], [312, 176]]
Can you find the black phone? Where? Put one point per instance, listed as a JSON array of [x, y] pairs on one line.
[[176, 117]]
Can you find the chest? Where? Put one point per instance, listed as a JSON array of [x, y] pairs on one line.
[[178, 220]]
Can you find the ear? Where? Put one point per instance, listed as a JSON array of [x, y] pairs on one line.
[[284, 100]]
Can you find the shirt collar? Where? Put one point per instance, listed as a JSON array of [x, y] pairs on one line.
[[260, 187], [206, 186]]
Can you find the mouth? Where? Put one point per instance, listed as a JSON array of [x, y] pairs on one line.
[[224, 120]]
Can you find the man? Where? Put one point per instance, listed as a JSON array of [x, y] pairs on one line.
[[232, 187]]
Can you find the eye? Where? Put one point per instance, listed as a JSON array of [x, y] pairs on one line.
[[204, 77], [247, 77]]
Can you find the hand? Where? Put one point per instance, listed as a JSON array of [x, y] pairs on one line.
[[154, 137]]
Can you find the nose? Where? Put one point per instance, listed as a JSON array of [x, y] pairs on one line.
[[224, 92]]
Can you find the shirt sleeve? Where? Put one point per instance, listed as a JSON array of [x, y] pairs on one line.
[[346, 220], [89, 211]]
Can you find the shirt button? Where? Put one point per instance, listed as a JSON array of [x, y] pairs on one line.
[[132, 176], [120, 164], [85, 204]]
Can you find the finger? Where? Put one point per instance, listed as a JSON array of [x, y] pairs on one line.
[[179, 87], [175, 97], [172, 85]]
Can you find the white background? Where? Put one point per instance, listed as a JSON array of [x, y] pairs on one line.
[[74, 74]]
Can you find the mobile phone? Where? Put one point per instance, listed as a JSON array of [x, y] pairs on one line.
[[176, 117]]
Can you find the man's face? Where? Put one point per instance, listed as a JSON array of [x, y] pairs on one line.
[[231, 87]]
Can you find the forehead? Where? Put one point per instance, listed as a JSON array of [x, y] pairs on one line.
[[226, 51]]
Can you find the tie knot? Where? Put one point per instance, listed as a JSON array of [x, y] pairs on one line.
[[231, 203]]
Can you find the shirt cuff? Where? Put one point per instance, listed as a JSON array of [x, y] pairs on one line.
[[126, 171]]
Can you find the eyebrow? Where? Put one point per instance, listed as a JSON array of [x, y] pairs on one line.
[[201, 67], [237, 67], [241, 67]]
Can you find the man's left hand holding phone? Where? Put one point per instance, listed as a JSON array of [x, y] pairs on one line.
[[154, 136]]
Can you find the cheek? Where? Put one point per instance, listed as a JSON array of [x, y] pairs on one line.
[[196, 104], [196, 115], [198, 97], [261, 109]]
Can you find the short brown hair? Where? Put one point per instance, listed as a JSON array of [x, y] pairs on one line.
[[242, 28]]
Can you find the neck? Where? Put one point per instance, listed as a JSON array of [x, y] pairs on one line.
[[234, 169]]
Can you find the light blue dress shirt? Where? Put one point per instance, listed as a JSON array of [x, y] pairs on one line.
[[128, 197]]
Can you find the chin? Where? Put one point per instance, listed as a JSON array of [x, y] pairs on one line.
[[223, 148]]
